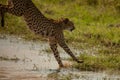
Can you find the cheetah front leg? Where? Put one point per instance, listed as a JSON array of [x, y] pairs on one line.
[[62, 43], [53, 46]]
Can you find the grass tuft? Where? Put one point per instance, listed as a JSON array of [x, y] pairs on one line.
[[99, 62]]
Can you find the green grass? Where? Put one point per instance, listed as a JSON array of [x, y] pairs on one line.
[[9, 59], [92, 19], [91, 22], [99, 62]]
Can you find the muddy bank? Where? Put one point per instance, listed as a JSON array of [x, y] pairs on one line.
[[28, 60]]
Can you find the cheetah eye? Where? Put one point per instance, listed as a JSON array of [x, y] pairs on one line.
[[66, 20]]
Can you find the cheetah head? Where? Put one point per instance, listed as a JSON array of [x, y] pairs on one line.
[[67, 24]]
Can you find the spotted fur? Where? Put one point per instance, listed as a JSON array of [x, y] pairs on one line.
[[40, 25]]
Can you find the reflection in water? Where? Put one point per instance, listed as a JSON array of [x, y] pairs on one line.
[[35, 63]]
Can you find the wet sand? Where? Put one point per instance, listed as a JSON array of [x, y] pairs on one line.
[[35, 63]]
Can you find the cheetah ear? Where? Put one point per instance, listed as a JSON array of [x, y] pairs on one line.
[[66, 20]]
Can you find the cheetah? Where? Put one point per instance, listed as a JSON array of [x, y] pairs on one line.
[[43, 26]]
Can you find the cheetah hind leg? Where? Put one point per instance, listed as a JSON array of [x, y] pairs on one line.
[[2, 15]]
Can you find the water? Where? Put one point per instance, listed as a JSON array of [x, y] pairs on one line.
[[35, 63]]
